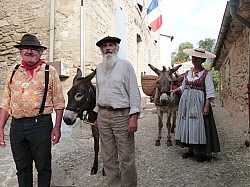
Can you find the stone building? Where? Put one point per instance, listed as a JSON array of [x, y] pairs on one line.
[[58, 23], [233, 58]]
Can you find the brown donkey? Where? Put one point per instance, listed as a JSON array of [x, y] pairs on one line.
[[165, 100]]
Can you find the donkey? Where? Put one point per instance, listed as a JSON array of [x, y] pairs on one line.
[[165, 100], [82, 97]]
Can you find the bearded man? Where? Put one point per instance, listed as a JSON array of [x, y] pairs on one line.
[[118, 106]]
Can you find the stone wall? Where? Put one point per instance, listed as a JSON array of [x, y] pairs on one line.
[[20, 17], [233, 95], [16, 19]]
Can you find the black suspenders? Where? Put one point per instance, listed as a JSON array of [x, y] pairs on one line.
[[14, 71], [46, 88], [46, 85]]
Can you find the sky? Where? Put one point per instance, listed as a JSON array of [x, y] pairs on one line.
[[191, 20]]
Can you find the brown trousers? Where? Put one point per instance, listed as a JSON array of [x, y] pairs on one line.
[[117, 148]]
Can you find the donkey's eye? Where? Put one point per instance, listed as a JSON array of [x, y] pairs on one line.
[[79, 96]]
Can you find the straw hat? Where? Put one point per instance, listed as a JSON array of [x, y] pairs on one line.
[[198, 52]]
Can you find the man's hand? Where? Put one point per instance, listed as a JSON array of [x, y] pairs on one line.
[[55, 135], [96, 124], [132, 123], [4, 115], [2, 143], [56, 132]]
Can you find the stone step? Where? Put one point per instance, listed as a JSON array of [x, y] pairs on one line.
[[150, 110]]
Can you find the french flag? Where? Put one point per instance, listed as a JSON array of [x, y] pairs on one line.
[[154, 15]]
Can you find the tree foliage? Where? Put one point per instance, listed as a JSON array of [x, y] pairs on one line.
[[207, 44], [180, 56]]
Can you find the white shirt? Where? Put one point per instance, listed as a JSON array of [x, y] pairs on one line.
[[119, 89]]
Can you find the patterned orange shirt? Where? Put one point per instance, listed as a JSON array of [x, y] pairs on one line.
[[23, 97]]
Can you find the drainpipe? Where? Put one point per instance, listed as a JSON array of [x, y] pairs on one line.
[[82, 49], [51, 30], [233, 11]]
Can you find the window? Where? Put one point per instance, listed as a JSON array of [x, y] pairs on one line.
[[227, 72]]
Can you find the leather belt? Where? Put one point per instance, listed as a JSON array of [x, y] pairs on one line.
[[109, 108], [35, 118]]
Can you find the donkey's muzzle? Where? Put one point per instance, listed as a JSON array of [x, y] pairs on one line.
[[164, 99], [68, 121]]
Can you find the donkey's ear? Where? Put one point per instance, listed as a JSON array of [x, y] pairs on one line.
[[157, 71], [78, 76], [91, 75], [174, 69]]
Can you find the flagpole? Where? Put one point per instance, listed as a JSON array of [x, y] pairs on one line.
[[143, 19]]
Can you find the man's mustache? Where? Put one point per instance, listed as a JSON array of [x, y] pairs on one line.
[[108, 52], [29, 54]]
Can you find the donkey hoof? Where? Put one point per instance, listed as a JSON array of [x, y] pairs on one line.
[[103, 172], [169, 143], [157, 143], [93, 171], [247, 143]]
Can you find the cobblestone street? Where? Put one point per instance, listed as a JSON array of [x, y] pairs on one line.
[[160, 166]]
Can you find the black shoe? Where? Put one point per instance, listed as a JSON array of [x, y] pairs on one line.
[[188, 154], [202, 158], [209, 157]]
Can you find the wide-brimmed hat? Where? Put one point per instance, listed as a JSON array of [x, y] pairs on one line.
[[198, 52], [29, 40], [108, 39]]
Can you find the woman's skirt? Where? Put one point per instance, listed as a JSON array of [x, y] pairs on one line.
[[193, 129]]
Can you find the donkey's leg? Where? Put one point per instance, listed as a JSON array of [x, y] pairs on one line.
[[160, 125], [168, 124], [173, 122], [95, 134]]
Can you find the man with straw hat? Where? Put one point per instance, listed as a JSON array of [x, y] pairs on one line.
[[196, 127]]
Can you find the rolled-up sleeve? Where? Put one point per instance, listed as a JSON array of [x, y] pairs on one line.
[[210, 92], [5, 101], [133, 91], [57, 98]]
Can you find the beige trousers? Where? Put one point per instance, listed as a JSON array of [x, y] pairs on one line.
[[117, 148]]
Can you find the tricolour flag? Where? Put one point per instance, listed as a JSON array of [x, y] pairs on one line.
[[154, 15]]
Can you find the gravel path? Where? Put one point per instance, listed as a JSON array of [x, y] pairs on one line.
[[160, 166]]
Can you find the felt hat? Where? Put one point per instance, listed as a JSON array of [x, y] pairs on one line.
[[198, 52], [29, 40], [108, 39]]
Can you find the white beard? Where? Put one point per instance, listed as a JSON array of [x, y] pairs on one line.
[[109, 61]]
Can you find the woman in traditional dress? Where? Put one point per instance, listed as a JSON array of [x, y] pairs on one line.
[[196, 127]]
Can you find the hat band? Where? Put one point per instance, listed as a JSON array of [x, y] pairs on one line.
[[199, 51]]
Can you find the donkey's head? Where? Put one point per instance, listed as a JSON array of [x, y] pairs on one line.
[[81, 97], [163, 84]]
